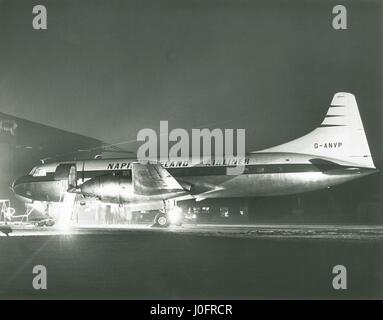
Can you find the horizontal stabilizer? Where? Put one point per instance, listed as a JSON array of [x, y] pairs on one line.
[[325, 165]]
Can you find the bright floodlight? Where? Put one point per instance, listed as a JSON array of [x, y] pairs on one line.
[[175, 215], [66, 208], [64, 225]]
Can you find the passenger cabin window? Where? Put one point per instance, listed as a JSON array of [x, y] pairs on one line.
[[123, 173], [126, 173]]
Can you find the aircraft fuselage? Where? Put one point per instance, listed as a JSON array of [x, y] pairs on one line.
[[264, 174]]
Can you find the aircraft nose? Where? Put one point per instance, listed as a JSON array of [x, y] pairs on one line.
[[15, 186], [14, 183], [12, 186], [19, 187]]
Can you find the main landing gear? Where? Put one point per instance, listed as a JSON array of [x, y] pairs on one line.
[[161, 220], [169, 216]]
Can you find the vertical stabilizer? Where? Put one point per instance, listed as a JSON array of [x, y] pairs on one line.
[[340, 136]]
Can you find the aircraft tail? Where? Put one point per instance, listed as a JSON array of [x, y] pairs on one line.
[[340, 136]]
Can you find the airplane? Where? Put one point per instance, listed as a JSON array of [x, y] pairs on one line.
[[335, 152]]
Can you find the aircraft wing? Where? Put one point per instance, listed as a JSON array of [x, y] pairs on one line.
[[46, 143], [151, 179]]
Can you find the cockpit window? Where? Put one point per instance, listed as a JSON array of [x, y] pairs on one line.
[[38, 172]]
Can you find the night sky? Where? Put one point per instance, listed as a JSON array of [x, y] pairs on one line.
[[107, 69]]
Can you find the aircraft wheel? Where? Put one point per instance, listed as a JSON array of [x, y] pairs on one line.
[[161, 220]]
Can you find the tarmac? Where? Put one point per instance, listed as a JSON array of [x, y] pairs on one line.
[[201, 261]]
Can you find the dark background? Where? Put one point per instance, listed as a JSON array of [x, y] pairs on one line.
[[107, 69]]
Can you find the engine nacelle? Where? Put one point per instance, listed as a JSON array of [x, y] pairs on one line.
[[108, 188], [119, 189]]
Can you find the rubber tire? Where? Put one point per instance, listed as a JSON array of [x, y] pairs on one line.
[[161, 221]]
